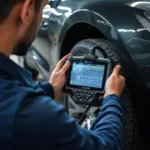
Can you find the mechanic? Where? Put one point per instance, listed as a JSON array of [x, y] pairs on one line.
[[29, 117]]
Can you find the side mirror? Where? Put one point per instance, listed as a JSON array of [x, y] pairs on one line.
[[54, 3]]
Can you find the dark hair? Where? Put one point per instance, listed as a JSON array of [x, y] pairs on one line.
[[7, 5]]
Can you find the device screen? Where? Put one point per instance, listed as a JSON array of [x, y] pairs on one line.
[[86, 74]]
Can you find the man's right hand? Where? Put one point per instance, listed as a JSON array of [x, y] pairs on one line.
[[115, 83]]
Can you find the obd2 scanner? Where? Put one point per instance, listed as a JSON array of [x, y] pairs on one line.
[[86, 78]]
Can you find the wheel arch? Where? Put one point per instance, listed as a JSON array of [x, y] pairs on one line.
[[84, 24], [87, 31]]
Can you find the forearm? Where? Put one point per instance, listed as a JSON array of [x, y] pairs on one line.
[[106, 133], [56, 130], [109, 124], [46, 86]]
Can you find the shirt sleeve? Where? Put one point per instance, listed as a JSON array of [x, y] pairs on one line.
[[46, 86], [42, 124]]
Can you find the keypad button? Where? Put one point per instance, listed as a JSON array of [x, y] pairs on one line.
[[77, 94], [84, 92], [76, 91], [78, 97], [83, 100], [83, 96], [88, 97], [91, 93]]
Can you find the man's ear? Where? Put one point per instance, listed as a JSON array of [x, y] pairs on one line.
[[27, 12]]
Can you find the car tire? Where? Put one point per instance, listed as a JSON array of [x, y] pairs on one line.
[[107, 50]]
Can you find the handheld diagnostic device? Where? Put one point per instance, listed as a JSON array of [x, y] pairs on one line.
[[86, 77]]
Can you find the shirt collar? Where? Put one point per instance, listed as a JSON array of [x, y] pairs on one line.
[[14, 70]]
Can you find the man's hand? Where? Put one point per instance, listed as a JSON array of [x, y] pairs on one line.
[[115, 83], [58, 77]]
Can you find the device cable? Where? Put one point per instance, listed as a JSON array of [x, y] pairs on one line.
[[93, 50], [84, 115]]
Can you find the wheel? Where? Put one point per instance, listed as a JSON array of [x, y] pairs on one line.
[[106, 50]]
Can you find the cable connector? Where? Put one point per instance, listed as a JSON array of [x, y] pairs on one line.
[[93, 49]]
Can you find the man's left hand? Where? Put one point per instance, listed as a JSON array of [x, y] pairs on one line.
[[58, 77]]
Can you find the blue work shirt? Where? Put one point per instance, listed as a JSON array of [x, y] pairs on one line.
[[31, 120]]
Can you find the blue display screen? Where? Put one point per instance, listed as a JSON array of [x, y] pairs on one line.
[[85, 74]]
